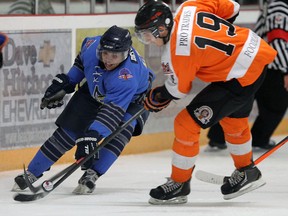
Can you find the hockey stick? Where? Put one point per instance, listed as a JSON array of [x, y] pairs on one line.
[[47, 186], [53, 178], [270, 151], [219, 179]]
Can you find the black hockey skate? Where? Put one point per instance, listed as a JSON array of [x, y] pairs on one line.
[[86, 183], [242, 181], [20, 183], [170, 193]]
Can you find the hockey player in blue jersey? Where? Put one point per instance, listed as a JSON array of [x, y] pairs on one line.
[[112, 80], [3, 42]]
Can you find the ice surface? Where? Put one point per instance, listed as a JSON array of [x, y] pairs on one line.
[[124, 190]]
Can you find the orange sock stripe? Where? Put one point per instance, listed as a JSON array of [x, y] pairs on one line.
[[186, 143], [242, 160], [237, 132], [180, 175]]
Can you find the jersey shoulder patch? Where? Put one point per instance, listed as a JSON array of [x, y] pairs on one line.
[[125, 74]]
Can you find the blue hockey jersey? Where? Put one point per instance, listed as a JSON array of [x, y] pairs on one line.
[[3, 40], [115, 89]]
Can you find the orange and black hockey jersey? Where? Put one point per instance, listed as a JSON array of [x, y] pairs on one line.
[[204, 44]]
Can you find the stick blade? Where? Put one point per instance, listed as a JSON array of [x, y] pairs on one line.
[[29, 197], [209, 177]]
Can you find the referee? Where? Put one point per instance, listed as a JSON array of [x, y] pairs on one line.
[[272, 97]]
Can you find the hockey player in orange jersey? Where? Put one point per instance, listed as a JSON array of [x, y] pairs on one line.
[[201, 41]]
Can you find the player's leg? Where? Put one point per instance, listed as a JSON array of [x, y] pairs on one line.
[[60, 142], [110, 152], [246, 176], [184, 154], [107, 156], [74, 118], [204, 111]]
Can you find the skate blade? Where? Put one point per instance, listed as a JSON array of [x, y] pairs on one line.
[[82, 190], [173, 201], [16, 188], [249, 187]]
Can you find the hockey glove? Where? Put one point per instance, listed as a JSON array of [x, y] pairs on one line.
[[85, 145], [1, 59], [55, 93], [157, 99]]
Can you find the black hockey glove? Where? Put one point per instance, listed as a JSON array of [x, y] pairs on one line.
[[85, 145], [1, 59], [157, 99], [55, 93]]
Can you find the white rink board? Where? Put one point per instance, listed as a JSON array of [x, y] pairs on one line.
[[160, 122]]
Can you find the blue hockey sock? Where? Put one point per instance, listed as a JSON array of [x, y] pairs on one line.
[[39, 164], [106, 159]]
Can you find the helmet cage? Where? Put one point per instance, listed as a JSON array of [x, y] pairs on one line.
[[111, 57], [114, 45], [150, 16], [147, 35]]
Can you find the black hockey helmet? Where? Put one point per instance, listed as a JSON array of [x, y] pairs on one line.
[[151, 15], [116, 39], [115, 42]]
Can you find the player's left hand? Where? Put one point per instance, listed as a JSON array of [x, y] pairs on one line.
[[55, 93], [154, 102]]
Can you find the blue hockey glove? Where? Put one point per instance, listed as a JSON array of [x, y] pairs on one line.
[[85, 145], [55, 93]]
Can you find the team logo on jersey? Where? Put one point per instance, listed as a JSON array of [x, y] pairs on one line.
[[166, 68], [98, 95], [204, 114], [125, 74], [88, 43]]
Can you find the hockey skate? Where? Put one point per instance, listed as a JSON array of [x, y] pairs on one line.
[[20, 183], [170, 193], [242, 181], [86, 183]]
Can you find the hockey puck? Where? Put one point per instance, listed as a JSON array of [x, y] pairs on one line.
[[47, 186]]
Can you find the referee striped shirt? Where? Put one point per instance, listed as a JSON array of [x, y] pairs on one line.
[[272, 25]]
